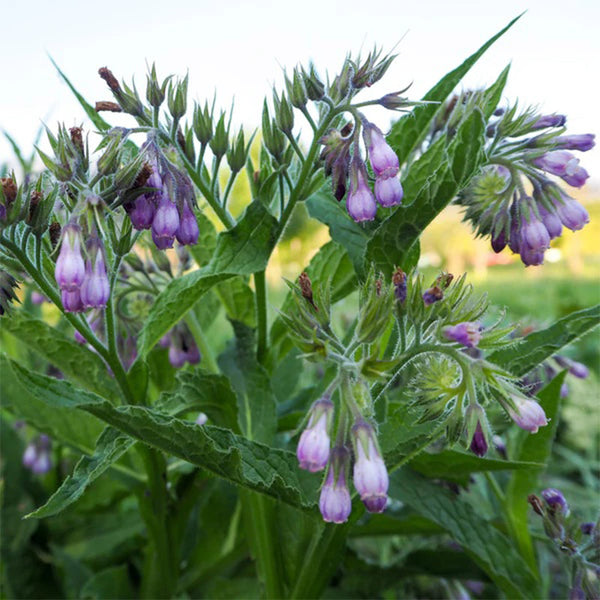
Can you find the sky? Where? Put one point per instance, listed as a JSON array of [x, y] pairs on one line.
[[239, 48]]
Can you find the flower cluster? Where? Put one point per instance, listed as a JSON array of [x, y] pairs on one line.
[[315, 453], [83, 282], [513, 200], [37, 455], [182, 347], [167, 207], [361, 201]]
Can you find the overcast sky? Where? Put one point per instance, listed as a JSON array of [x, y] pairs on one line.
[[238, 49]]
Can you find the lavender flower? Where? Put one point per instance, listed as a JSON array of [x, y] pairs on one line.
[[587, 528], [400, 285], [141, 212], [576, 369], [70, 268], [370, 474], [432, 295], [551, 222], [165, 223], [313, 447], [360, 203], [555, 500], [557, 162], [383, 159], [187, 232], [582, 142], [572, 214], [527, 414], [37, 298], [177, 356], [533, 235], [388, 191], [95, 289], [334, 502], [577, 177], [37, 455], [478, 444], [71, 301], [201, 419], [549, 121], [499, 241], [468, 334]]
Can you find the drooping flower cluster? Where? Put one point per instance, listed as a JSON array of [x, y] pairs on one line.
[[83, 283], [361, 202], [315, 453], [499, 203], [182, 347], [37, 455], [168, 218]]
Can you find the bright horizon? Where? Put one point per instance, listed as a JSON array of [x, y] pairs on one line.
[[239, 48]]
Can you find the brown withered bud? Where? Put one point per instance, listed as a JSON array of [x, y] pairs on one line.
[[444, 280], [180, 139], [536, 504], [54, 231], [77, 138], [143, 176], [110, 79], [34, 200], [378, 284], [106, 105], [306, 288], [9, 187], [346, 130], [399, 276]]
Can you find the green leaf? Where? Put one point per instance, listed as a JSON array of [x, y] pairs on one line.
[[108, 584], [207, 240], [256, 401], [432, 182], [202, 391], [111, 445], [529, 352], [242, 250], [238, 300], [457, 466], [489, 548], [494, 93], [409, 131], [536, 447], [406, 523], [75, 360], [249, 464], [343, 229]]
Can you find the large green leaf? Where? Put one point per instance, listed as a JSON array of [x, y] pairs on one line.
[[111, 445], [529, 352], [536, 447], [409, 131], [431, 183], [242, 250], [489, 548], [252, 465], [108, 584], [75, 360], [256, 401]]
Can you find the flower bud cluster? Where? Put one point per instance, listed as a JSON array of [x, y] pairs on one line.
[[83, 282], [497, 203]]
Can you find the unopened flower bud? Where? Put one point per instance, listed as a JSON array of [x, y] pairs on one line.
[[201, 419], [70, 268], [71, 301], [527, 414], [549, 121], [468, 334], [536, 504], [141, 212], [165, 223], [383, 159], [555, 500], [388, 191], [432, 295], [575, 368], [360, 203], [370, 474], [334, 502], [95, 289], [582, 142], [551, 222], [187, 232], [400, 285], [313, 447]]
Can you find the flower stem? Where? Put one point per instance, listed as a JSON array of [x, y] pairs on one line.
[[261, 314]]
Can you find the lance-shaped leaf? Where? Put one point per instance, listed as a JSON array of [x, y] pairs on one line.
[[409, 131], [529, 352], [242, 250], [240, 461]]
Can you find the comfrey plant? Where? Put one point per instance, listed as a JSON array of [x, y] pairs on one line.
[[213, 438]]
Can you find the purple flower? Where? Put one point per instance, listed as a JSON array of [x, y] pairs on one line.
[[577, 177], [360, 202], [141, 212], [527, 414], [587, 528], [71, 301], [370, 474], [534, 236], [478, 445], [400, 285], [549, 121], [37, 298], [551, 222], [187, 232], [576, 369], [500, 446], [313, 447], [383, 159], [532, 257], [30, 455], [572, 214], [557, 162], [37, 455], [582, 142], [564, 390], [95, 289], [165, 223], [177, 356], [498, 241], [165, 341], [555, 500], [193, 354], [388, 191], [432, 295], [201, 419], [70, 268], [335, 503], [468, 334]]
